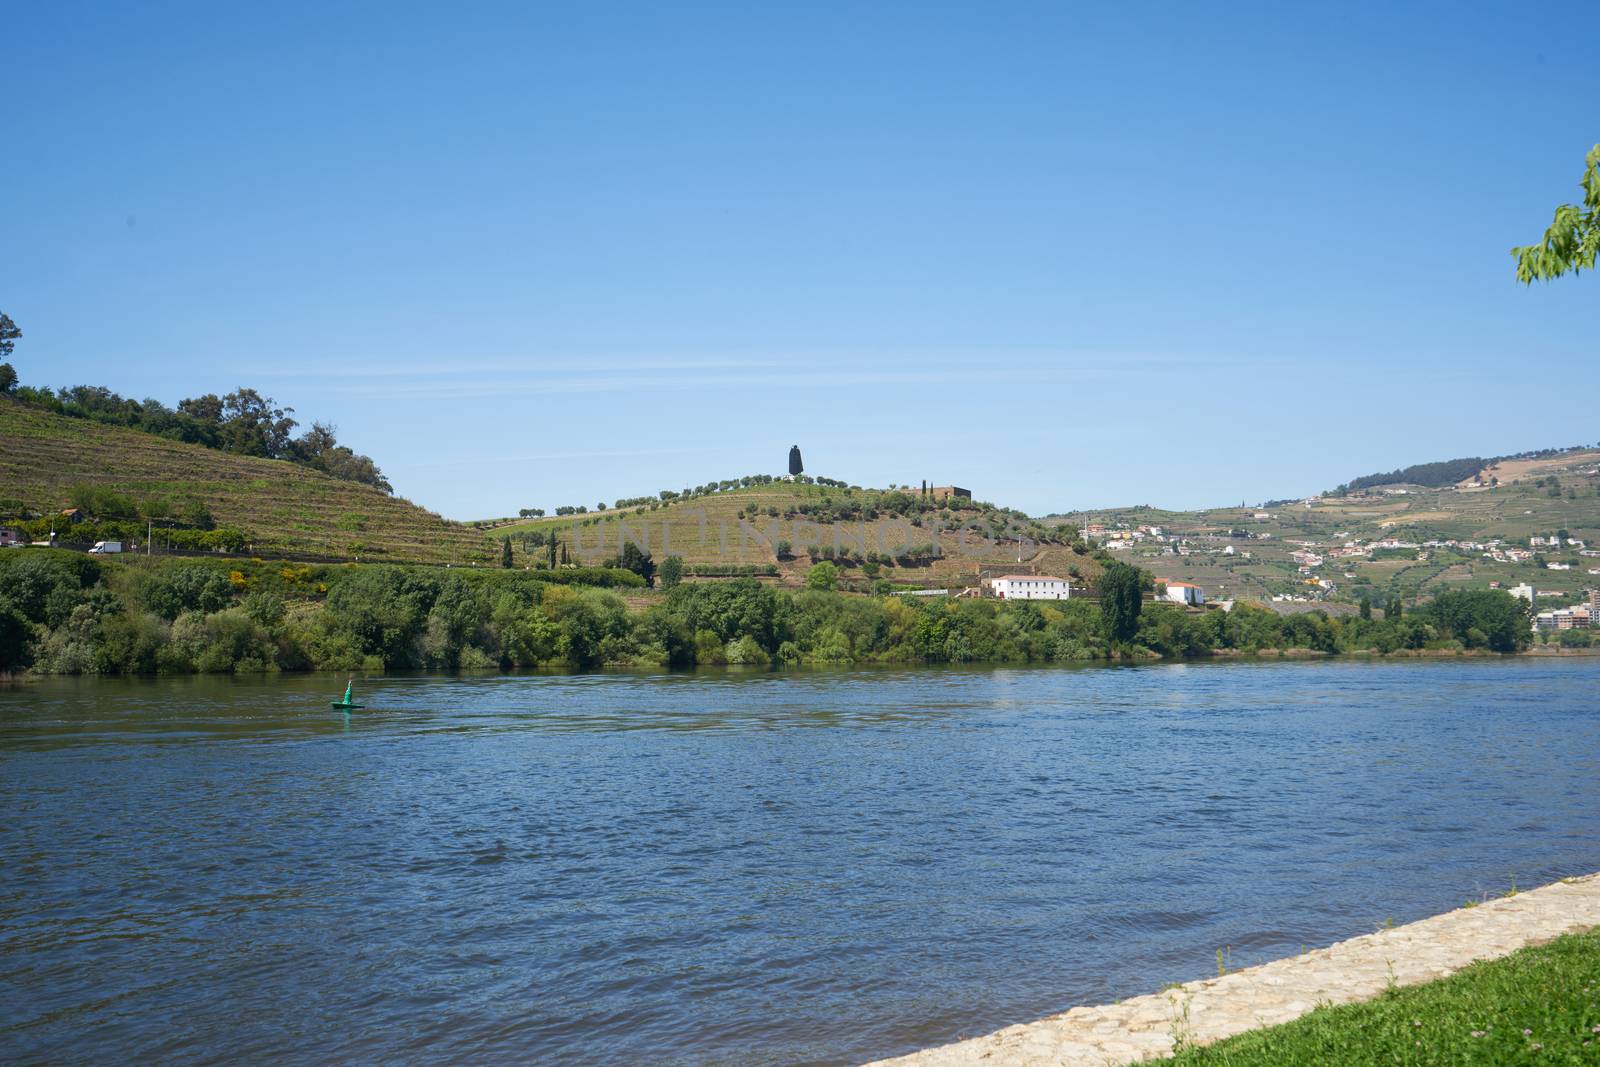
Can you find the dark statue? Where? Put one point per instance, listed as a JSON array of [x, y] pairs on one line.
[[795, 466]]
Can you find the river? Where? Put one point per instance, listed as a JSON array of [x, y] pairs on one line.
[[807, 867]]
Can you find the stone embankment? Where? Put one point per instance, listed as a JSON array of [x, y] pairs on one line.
[[1199, 1012]]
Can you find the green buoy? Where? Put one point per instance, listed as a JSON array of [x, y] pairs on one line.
[[347, 703]]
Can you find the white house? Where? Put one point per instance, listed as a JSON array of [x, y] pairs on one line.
[[1185, 593], [1030, 587]]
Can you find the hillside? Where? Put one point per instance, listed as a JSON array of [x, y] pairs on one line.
[[1383, 541], [281, 507], [872, 534]]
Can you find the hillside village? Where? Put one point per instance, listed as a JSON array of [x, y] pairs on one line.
[[1528, 523]]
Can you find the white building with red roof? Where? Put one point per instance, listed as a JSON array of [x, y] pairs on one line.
[[1030, 587], [1185, 593]]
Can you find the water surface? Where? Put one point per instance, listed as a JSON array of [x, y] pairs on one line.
[[809, 867]]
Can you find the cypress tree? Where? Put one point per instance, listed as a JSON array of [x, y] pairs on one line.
[[505, 551], [1120, 601]]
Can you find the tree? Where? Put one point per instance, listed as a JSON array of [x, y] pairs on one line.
[[15, 633], [822, 576], [8, 377], [8, 334], [671, 571], [1573, 239], [1366, 606], [505, 551], [1121, 599], [1394, 609], [635, 559], [552, 552]]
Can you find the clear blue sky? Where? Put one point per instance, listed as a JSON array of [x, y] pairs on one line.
[[1067, 255]]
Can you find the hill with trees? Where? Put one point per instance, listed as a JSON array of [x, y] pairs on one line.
[[124, 482], [762, 526], [1444, 472], [242, 423]]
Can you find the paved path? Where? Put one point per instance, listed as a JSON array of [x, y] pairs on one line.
[[1361, 968]]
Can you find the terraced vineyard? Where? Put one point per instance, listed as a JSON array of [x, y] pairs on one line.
[[281, 506], [741, 528]]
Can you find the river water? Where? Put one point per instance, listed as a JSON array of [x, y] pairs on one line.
[[809, 867]]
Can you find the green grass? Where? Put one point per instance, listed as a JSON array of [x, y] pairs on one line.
[[1540, 1005]]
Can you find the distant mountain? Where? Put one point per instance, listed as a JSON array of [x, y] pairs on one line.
[[1433, 475], [1439, 474]]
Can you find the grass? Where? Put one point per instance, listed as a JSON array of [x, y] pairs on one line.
[[283, 507], [1539, 1005]]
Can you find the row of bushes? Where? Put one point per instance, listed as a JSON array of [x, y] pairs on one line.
[[731, 570], [66, 613], [221, 539]]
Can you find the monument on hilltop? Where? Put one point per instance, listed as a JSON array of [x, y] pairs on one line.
[[795, 466]]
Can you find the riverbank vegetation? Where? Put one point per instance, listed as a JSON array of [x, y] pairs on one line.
[[1537, 1005], [66, 613]]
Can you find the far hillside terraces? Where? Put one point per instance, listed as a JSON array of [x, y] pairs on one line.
[[775, 528], [1503, 524]]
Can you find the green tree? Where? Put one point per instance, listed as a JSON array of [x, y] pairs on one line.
[[8, 335], [1121, 598], [822, 576], [1366, 606], [671, 571], [191, 587], [551, 553], [505, 551], [1394, 609], [635, 559], [1573, 239], [1480, 617], [15, 634], [8, 377]]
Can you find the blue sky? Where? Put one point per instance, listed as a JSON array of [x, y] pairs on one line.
[[1067, 255]]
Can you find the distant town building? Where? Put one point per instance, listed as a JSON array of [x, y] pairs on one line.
[[1030, 587], [795, 466], [1564, 619], [948, 492], [11, 536], [1525, 591], [1185, 593]]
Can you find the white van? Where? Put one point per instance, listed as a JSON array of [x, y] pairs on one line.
[[105, 548]]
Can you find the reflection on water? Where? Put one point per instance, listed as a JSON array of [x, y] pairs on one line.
[[726, 867]]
